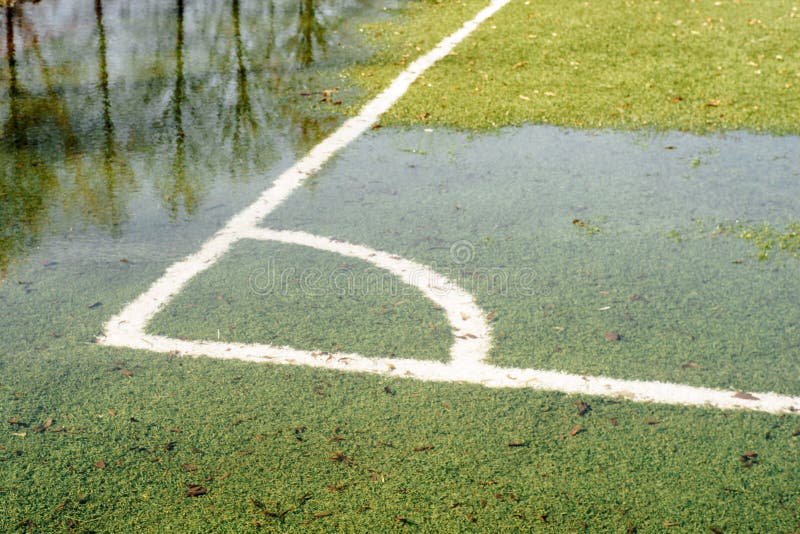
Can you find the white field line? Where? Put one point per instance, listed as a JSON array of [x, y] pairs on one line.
[[472, 335]]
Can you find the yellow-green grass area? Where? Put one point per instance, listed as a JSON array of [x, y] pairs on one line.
[[288, 295], [698, 66]]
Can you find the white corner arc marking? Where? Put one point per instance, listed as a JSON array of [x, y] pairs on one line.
[[472, 334]]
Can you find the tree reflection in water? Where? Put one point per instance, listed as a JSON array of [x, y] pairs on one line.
[[197, 108], [102, 184], [28, 142]]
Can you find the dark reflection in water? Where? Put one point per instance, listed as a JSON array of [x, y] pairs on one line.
[[26, 177], [310, 32], [102, 102]]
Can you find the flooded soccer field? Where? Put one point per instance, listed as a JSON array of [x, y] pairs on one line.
[[572, 271]]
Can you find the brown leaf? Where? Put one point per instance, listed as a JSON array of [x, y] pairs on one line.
[[189, 467], [422, 448], [337, 489], [668, 524], [750, 454], [175, 429], [126, 372], [16, 422], [340, 458], [195, 491], [575, 430], [317, 515], [517, 443], [41, 428], [101, 464], [652, 422], [612, 336], [713, 103], [692, 365], [677, 99], [745, 396], [423, 116], [490, 316], [519, 65], [582, 407]]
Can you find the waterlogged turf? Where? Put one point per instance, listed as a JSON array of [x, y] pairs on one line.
[[289, 295], [567, 237], [119, 159]]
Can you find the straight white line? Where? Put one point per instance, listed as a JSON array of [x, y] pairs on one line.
[[127, 329]]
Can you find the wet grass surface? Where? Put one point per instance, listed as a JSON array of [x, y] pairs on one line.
[[625, 239], [288, 295], [95, 439]]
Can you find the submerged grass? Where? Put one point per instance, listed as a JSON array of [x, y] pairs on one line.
[[288, 295], [612, 243], [695, 66]]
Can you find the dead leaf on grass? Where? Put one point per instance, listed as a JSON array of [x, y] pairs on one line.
[[41, 428], [195, 491]]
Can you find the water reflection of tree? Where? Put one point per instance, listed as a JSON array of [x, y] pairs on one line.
[[36, 129], [309, 35], [245, 124], [103, 195], [179, 188], [232, 116]]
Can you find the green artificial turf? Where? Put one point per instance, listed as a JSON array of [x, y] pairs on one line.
[[99, 439], [698, 66], [289, 295], [108, 440]]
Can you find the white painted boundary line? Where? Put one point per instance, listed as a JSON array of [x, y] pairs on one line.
[[471, 331]]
